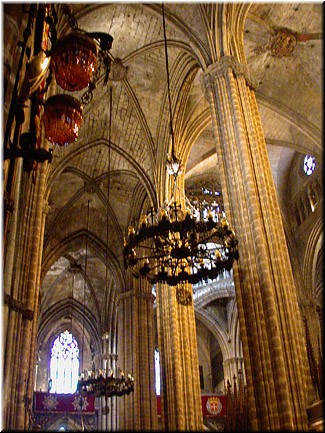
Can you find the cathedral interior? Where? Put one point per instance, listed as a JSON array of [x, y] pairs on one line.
[[231, 95]]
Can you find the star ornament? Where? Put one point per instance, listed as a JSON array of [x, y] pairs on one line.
[[50, 402], [80, 403]]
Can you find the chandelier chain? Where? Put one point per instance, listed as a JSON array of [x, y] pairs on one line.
[[168, 85]]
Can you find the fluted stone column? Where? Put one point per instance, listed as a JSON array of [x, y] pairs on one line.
[[31, 300], [181, 407], [180, 380], [270, 322], [22, 296], [23, 255], [136, 346], [12, 304], [34, 330]]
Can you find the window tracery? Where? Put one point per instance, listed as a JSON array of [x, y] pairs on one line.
[[64, 364]]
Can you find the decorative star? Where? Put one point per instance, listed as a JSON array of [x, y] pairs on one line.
[[80, 403], [50, 402]]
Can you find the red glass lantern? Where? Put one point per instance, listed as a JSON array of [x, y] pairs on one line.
[[62, 119], [73, 61]]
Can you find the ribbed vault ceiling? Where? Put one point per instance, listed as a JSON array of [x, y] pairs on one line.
[[289, 94]]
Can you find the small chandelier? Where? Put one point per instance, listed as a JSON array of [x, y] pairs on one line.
[[73, 61], [62, 119], [104, 383]]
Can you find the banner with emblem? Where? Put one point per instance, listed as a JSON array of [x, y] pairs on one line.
[[213, 406], [47, 402]]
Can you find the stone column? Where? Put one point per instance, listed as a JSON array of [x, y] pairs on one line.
[[269, 317], [31, 298], [27, 235], [181, 407], [37, 301], [13, 305], [136, 346], [31, 261], [9, 253], [180, 380]]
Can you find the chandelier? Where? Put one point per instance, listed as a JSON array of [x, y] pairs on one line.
[[105, 383], [62, 119], [176, 244]]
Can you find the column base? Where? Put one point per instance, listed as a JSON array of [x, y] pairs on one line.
[[315, 414]]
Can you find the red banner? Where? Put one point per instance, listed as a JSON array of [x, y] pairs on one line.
[[47, 402], [213, 406]]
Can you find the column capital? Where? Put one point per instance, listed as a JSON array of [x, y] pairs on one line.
[[18, 306], [146, 295], [46, 207], [125, 295], [137, 294], [233, 360], [220, 69]]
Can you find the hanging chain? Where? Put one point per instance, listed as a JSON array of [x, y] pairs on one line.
[[168, 86]]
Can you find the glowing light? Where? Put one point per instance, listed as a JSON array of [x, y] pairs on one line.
[[309, 165]]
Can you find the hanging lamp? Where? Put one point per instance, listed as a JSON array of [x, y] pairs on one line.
[[62, 119], [74, 60], [78, 57], [177, 243]]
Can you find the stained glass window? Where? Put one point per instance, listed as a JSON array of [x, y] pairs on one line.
[[309, 164], [64, 365]]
